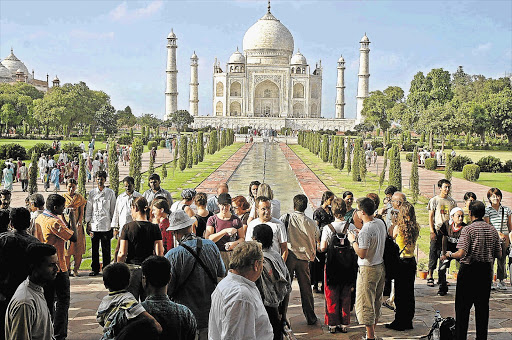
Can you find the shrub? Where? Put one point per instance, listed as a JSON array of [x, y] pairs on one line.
[[152, 144], [12, 151], [471, 172], [125, 139], [72, 150], [408, 157], [490, 164], [40, 148], [380, 151], [376, 144], [459, 161], [162, 143], [408, 146], [430, 163], [508, 166]]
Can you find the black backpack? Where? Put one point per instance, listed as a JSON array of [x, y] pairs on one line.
[[341, 262], [445, 328], [391, 256]]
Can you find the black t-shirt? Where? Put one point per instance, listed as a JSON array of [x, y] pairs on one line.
[[323, 217], [201, 224], [141, 237], [450, 237]]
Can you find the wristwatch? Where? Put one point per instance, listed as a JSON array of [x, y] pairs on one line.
[[449, 255]]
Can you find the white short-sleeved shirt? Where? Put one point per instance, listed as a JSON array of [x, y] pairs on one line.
[[338, 226], [373, 238], [275, 209], [277, 228]]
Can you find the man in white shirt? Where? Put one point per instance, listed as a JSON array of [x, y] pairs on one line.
[[279, 244], [369, 247], [99, 212], [96, 164], [237, 311], [41, 165], [63, 157], [82, 146], [122, 212]]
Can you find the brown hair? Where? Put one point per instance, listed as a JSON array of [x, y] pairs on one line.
[[241, 202], [161, 203], [201, 199], [339, 208], [494, 191], [375, 198], [406, 221], [141, 205]]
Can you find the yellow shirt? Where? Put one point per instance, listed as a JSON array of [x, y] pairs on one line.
[[54, 232], [409, 250]]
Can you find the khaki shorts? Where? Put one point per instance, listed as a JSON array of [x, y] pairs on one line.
[[369, 287]]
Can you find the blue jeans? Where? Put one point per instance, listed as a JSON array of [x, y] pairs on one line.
[[57, 295]]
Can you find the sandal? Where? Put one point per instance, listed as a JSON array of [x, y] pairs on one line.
[[342, 328], [430, 282], [332, 329]]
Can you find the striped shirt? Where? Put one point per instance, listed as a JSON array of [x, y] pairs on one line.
[[480, 241], [495, 217]]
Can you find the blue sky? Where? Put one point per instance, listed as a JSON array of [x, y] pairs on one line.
[[120, 46]]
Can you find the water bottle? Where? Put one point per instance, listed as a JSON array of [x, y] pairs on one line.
[[436, 334]]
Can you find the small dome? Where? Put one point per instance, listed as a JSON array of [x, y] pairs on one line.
[[194, 56], [298, 59], [237, 58], [171, 35], [4, 72], [19, 71], [56, 78], [268, 33], [365, 38], [13, 64], [341, 60]]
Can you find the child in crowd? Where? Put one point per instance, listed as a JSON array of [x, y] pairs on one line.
[[119, 307]]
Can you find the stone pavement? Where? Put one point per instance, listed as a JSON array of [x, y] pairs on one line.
[[163, 156], [87, 292]]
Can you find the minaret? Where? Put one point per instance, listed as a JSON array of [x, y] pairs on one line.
[[171, 90], [340, 90], [364, 74], [194, 83]]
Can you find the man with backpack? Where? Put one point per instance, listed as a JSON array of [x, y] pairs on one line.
[[195, 266], [303, 235]]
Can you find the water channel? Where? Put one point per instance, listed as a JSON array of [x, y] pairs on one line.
[[265, 162]]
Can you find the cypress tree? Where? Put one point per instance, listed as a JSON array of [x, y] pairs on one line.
[[164, 171], [395, 169], [32, 174], [136, 161], [151, 167], [190, 156], [183, 152], [415, 179], [422, 138], [81, 176], [349, 162], [143, 132], [325, 148], [448, 168], [341, 153], [335, 149], [356, 158], [383, 172], [175, 158], [223, 139], [195, 155], [131, 133], [212, 145], [331, 149], [113, 168], [200, 146], [362, 162]]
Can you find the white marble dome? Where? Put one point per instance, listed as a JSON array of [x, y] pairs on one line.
[[13, 64], [268, 33], [171, 35], [341, 60], [4, 72], [298, 59], [365, 39], [194, 56], [237, 58]]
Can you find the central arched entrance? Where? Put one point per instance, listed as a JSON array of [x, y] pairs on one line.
[[266, 99]]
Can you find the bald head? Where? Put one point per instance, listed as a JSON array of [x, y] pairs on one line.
[[222, 188], [397, 199]]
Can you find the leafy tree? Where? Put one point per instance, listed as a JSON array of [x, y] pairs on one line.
[[183, 153], [125, 118], [105, 118], [32, 175], [81, 176], [375, 110], [9, 117], [180, 119], [113, 167], [415, 179], [441, 91], [148, 120], [136, 161], [395, 168], [499, 107]]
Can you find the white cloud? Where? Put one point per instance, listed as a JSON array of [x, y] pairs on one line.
[[85, 35], [482, 48], [122, 13]]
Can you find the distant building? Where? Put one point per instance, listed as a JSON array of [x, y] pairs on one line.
[[13, 70]]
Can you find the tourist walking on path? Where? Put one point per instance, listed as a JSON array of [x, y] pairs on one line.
[[56, 231], [36, 207], [55, 179], [339, 280], [405, 233], [28, 316], [193, 279], [322, 216], [369, 247], [23, 177], [439, 212], [101, 203], [177, 320], [274, 283], [139, 240], [8, 177], [155, 190], [302, 235], [499, 216], [41, 165], [450, 232], [225, 229], [478, 245], [76, 202], [237, 311], [202, 215]]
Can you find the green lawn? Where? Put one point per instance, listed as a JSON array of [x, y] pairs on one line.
[[189, 178], [475, 155], [497, 180]]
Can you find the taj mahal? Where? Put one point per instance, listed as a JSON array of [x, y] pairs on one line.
[[267, 85]]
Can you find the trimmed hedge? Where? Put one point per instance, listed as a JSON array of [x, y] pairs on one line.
[[380, 151], [152, 144], [13, 151], [408, 157], [162, 143], [471, 172], [430, 163], [125, 140], [490, 164], [459, 161]]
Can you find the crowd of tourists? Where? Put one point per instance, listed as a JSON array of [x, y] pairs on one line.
[[222, 267]]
